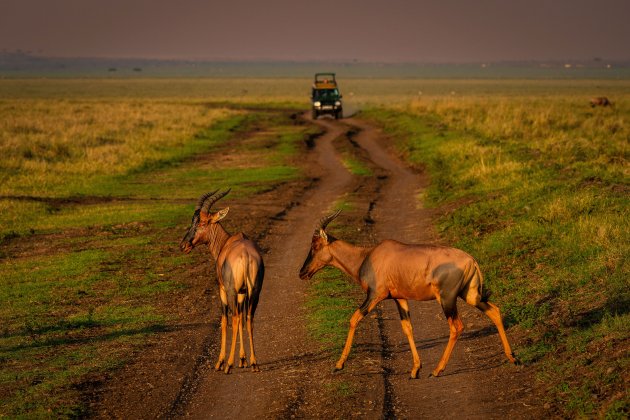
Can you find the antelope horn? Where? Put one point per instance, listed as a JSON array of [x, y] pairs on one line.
[[327, 219], [204, 198], [208, 205]]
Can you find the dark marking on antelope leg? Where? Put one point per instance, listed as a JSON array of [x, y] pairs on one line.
[[367, 306], [405, 322]]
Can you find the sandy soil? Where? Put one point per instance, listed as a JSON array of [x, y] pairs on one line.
[[174, 376]]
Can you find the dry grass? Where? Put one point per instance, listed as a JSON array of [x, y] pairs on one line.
[[47, 145]]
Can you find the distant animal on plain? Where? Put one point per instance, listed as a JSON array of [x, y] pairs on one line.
[[600, 101]]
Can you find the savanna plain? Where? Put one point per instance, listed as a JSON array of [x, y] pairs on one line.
[[99, 178]]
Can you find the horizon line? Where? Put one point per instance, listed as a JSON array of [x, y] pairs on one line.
[[596, 59]]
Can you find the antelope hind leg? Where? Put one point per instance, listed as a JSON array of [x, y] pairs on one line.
[[251, 310], [221, 360], [242, 359], [492, 311], [252, 356], [230, 363]]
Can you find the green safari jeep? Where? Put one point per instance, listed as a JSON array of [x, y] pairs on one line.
[[325, 96]]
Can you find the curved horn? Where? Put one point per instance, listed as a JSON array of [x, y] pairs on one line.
[[208, 205], [204, 198], [327, 219]]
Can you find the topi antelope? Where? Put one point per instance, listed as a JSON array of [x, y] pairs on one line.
[[600, 101], [240, 272], [393, 270]]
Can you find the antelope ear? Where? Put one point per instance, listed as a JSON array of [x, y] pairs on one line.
[[322, 234], [220, 214]]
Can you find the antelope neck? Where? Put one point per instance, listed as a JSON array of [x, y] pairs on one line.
[[348, 258], [217, 237]]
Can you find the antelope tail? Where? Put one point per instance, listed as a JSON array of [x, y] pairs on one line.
[[483, 291], [245, 310]]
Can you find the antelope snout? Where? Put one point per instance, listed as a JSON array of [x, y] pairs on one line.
[[305, 274], [185, 246]]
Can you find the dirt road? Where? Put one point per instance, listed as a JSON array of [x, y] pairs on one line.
[[294, 372]]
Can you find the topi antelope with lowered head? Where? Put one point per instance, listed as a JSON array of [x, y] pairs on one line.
[[393, 270], [240, 272], [600, 101]]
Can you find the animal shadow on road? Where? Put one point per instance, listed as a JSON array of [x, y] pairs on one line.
[[298, 359]]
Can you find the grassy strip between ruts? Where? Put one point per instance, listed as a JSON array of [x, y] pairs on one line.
[[82, 296], [540, 197], [331, 300]]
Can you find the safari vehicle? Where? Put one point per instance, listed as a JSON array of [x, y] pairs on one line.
[[325, 96]]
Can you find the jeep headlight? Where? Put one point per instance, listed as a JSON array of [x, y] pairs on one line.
[[337, 103], [317, 104]]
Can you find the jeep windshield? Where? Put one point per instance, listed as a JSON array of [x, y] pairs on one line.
[[325, 94]]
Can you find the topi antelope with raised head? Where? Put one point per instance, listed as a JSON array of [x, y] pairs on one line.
[[393, 270], [240, 272]]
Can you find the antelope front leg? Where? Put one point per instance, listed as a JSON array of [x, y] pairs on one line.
[[358, 315], [405, 321]]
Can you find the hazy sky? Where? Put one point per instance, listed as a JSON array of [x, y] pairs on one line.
[[368, 30]]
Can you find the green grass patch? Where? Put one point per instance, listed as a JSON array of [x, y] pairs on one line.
[[356, 167], [340, 389], [330, 306], [65, 317]]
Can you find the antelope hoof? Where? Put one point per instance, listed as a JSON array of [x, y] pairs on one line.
[[338, 367], [219, 365], [255, 368], [513, 359], [242, 363], [435, 373], [228, 368], [414, 373]]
